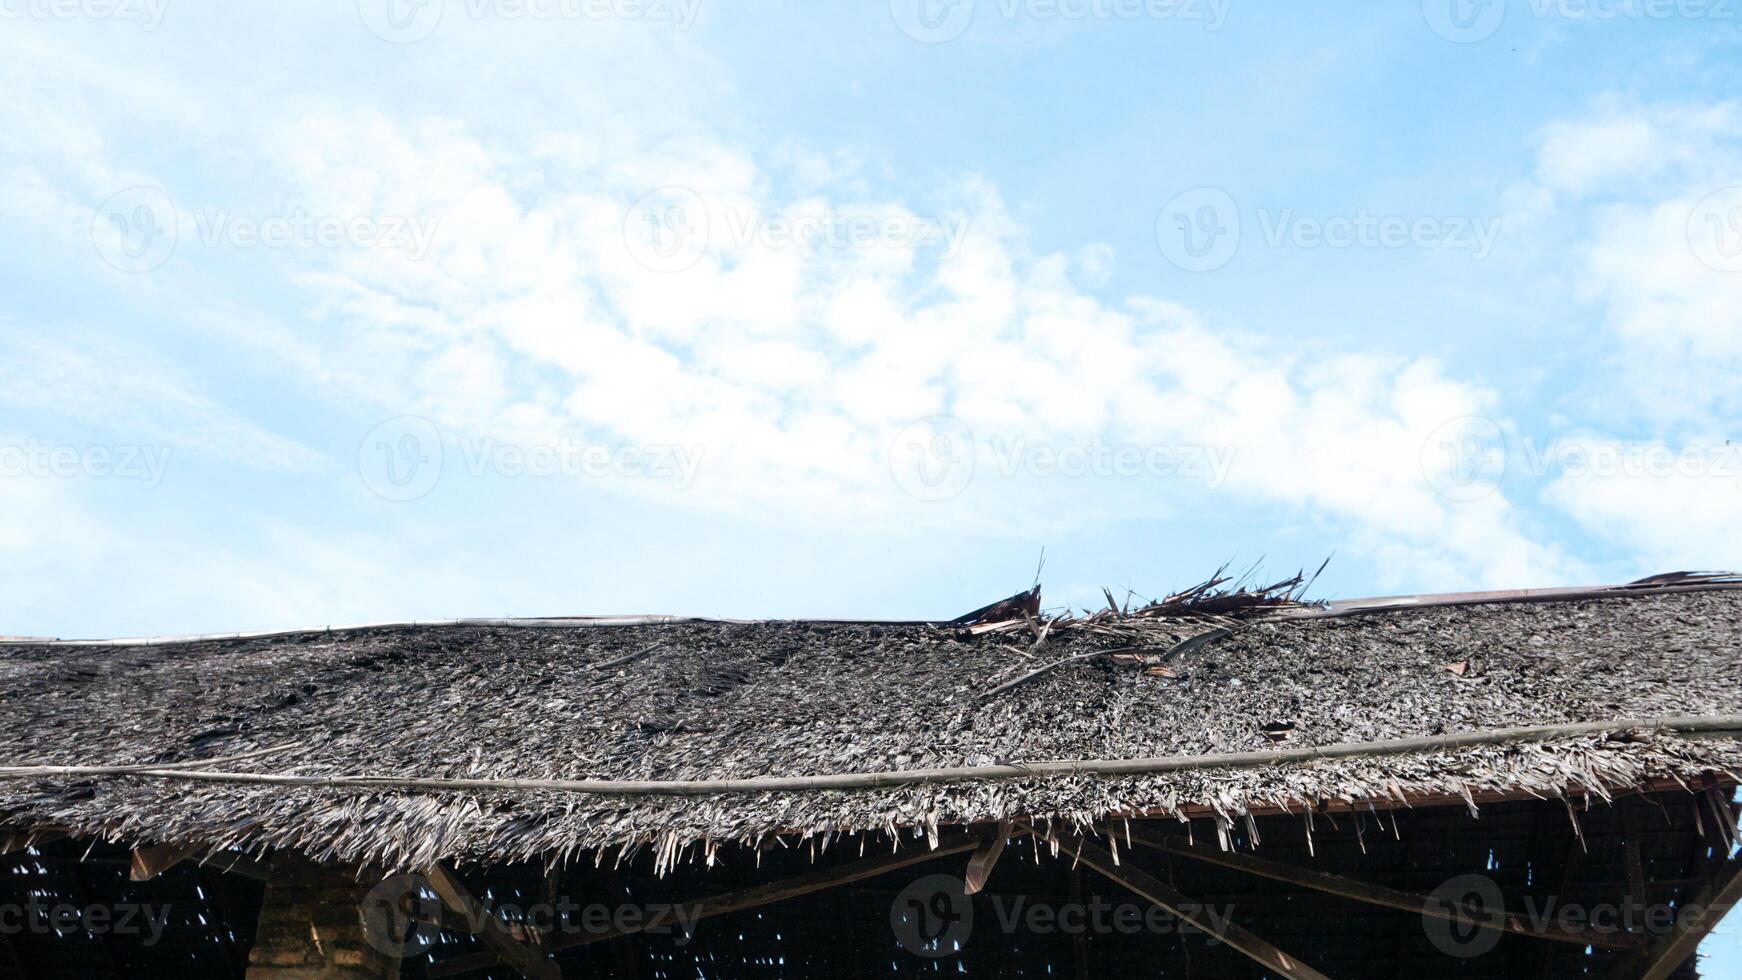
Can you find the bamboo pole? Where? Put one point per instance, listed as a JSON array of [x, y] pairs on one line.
[[1711, 726]]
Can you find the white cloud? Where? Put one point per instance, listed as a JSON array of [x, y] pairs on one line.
[[1658, 244], [794, 366], [1670, 506], [1661, 252]]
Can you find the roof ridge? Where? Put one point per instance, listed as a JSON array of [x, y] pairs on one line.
[[1671, 583]]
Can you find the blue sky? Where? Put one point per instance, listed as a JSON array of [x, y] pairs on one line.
[[315, 315]]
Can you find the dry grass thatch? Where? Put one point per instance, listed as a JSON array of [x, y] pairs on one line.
[[1212, 671]]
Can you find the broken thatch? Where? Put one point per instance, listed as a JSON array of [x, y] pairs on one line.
[[667, 701]]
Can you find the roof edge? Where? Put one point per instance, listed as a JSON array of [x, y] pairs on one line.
[[1668, 584]]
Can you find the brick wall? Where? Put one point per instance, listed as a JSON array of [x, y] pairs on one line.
[[311, 926]]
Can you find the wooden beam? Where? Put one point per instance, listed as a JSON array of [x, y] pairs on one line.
[[149, 862], [1694, 921], [794, 887], [1188, 910], [494, 933], [232, 863], [21, 840], [749, 898], [1360, 891], [981, 864]]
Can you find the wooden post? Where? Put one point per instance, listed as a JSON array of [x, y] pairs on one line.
[[311, 926]]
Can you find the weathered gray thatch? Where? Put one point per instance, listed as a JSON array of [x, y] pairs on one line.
[[735, 700]]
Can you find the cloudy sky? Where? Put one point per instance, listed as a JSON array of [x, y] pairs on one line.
[[336, 312]]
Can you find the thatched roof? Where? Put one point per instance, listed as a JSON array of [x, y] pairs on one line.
[[688, 700]]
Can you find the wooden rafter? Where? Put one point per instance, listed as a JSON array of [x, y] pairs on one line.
[[1361, 891], [981, 864], [495, 935], [15, 841], [1695, 920], [149, 862], [1188, 910], [749, 898]]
